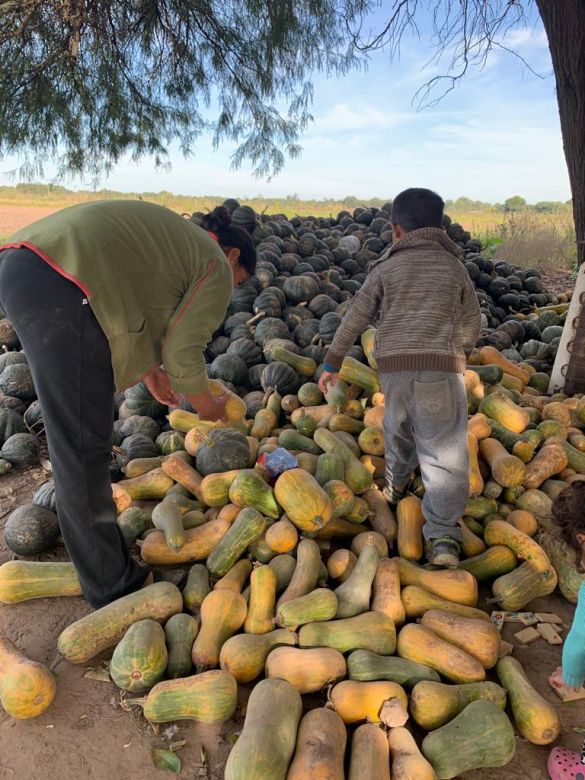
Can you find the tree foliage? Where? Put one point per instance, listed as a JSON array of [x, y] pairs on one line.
[[515, 203], [84, 82]]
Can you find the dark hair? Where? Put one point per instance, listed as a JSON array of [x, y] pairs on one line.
[[219, 222], [417, 208], [569, 512]]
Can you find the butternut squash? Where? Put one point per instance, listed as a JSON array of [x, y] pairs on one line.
[[265, 747], [282, 536], [244, 655], [150, 486], [236, 577], [480, 736], [340, 564], [25, 580], [495, 561], [105, 627], [515, 590], [418, 600], [306, 573], [215, 488], [353, 595], [196, 587], [320, 747], [503, 532], [410, 521], [260, 617], [499, 407], [523, 521], [477, 637], [320, 604], [453, 584], [490, 356], [535, 718], [364, 666], [199, 543], [550, 460], [417, 643], [471, 544], [368, 631], [408, 763], [223, 612], [27, 687], [370, 758], [475, 478], [479, 426], [210, 697], [184, 474], [386, 591], [341, 496], [303, 499], [507, 470], [432, 704], [382, 518], [307, 670], [356, 701], [246, 528], [360, 541]]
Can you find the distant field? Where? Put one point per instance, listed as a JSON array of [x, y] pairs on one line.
[[525, 238]]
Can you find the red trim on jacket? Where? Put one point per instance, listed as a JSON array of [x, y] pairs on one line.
[[49, 260]]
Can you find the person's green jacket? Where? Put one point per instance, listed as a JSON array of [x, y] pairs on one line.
[[158, 284]]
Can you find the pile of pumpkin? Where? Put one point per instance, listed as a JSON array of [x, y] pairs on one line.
[[293, 578], [280, 322]]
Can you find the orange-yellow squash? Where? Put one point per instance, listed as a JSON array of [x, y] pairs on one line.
[[27, 687], [303, 499]]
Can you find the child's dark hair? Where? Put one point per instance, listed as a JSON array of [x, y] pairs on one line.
[[569, 512], [219, 222], [417, 208]]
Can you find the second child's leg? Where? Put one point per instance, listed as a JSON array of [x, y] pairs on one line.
[[438, 409]]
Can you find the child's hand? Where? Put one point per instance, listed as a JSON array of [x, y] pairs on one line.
[[328, 379]]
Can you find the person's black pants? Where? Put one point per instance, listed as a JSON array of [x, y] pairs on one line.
[[70, 361]]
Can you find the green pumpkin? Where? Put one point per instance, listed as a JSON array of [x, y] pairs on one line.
[[21, 449], [224, 449], [31, 530], [168, 442], [10, 423], [140, 401]]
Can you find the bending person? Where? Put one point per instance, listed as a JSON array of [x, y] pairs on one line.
[[102, 295]]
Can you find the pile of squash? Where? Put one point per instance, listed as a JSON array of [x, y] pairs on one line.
[[308, 582], [279, 324]]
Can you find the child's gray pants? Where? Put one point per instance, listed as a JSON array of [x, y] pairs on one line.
[[426, 424]]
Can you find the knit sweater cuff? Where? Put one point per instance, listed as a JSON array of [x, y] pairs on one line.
[[333, 361]]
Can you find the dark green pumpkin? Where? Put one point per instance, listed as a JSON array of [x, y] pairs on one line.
[[45, 496], [329, 326], [168, 442], [133, 522], [10, 423], [8, 336], [11, 358], [137, 423], [247, 350], [321, 305], [140, 401], [230, 368], [33, 417], [270, 328], [31, 530], [299, 289], [306, 333], [217, 346], [224, 449], [254, 402], [21, 449], [255, 376], [281, 377], [296, 315], [136, 446], [16, 380]]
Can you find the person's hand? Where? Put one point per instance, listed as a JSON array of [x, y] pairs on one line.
[[211, 407], [328, 380], [159, 386]]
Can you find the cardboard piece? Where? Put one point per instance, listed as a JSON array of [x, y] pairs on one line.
[[527, 636], [526, 618], [547, 631], [548, 617], [565, 693]]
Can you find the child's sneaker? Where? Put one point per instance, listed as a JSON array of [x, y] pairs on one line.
[[392, 494], [443, 552]]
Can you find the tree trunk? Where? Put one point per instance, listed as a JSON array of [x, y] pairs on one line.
[[564, 22]]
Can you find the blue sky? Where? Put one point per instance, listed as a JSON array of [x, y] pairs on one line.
[[497, 134]]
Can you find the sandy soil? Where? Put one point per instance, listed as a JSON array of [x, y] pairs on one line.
[[12, 218], [88, 731]]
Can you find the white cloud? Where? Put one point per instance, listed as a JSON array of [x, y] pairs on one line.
[[358, 116]]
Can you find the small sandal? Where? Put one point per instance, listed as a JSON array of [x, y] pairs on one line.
[[566, 764]]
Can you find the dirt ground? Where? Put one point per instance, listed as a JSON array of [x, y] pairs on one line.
[[12, 218], [88, 732]]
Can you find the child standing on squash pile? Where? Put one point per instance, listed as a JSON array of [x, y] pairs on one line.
[[428, 322]]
